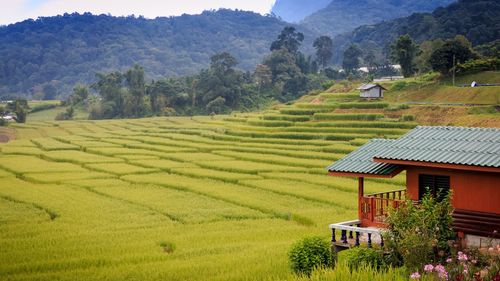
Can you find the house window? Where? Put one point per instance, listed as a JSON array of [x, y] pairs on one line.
[[437, 185]]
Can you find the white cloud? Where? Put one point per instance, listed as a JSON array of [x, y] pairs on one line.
[[18, 10]]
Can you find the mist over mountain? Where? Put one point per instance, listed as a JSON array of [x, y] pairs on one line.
[[341, 16], [296, 10]]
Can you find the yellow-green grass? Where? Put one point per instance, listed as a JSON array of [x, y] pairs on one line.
[[29, 164], [77, 157], [230, 177], [163, 164], [276, 159], [53, 144], [104, 200], [60, 177], [23, 150], [50, 114], [119, 168]]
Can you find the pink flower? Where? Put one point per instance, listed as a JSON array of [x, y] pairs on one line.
[[428, 267], [449, 260], [442, 274], [439, 268], [474, 261], [415, 275], [462, 256]]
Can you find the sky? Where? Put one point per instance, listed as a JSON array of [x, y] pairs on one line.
[[18, 10]]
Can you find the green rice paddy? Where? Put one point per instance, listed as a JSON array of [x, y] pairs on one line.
[[177, 198]]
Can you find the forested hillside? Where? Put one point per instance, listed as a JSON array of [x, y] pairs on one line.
[[56, 52], [345, 15], [477, 20]]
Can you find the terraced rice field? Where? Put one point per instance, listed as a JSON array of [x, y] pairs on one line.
[[177, 198]]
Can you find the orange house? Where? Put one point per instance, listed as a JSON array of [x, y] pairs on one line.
[[464, 160]]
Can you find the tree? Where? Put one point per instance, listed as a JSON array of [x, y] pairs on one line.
[[20, 108], [80, 94], [109, 87], [136, 89], [457, 50], [66, 115], [49, 92], [370, 60], [216, 106], [351, 59], [289, 39], [324, 50], [426, 50], [221, 80], [404, 51]]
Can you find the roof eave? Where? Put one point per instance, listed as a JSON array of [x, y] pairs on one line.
[[365, 175], [437, 165]]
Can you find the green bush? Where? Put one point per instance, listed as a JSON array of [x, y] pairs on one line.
[[309, 254], [417, 234], [292, 118], [474, 66], [333, 116], [407, 117], [363, 105], [327, 85], [42, 107], [359, 257], [483, 110], [301, 111], [269, 123], [398, 86], [321, 106]]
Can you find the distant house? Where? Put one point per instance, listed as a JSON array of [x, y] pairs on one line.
[[464, 160], [374, 91]]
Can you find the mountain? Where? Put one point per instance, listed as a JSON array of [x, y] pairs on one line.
[[478, 20], [296, 10], [341, 16], [63, 50]]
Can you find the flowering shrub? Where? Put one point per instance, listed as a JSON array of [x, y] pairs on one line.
[[463, 267], [420, 233]]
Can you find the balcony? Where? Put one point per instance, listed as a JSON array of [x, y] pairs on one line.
[[373, 208]]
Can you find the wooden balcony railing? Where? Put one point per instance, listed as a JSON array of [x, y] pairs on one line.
[[374, 207]]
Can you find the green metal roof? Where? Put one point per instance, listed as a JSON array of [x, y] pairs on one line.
[[361, 160], [448, 145]]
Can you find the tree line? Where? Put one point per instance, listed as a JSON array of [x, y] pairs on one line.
[[285, 74]]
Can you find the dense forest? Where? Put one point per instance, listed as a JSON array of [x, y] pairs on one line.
[[51, 54], [342, 16], [45, 58], [478, 20]]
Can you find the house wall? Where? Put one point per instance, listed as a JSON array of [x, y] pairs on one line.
[[372, 93], [472, 191]]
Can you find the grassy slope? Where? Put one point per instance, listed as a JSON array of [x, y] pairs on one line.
[[50, 114], [102, 200], [419, 90]]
